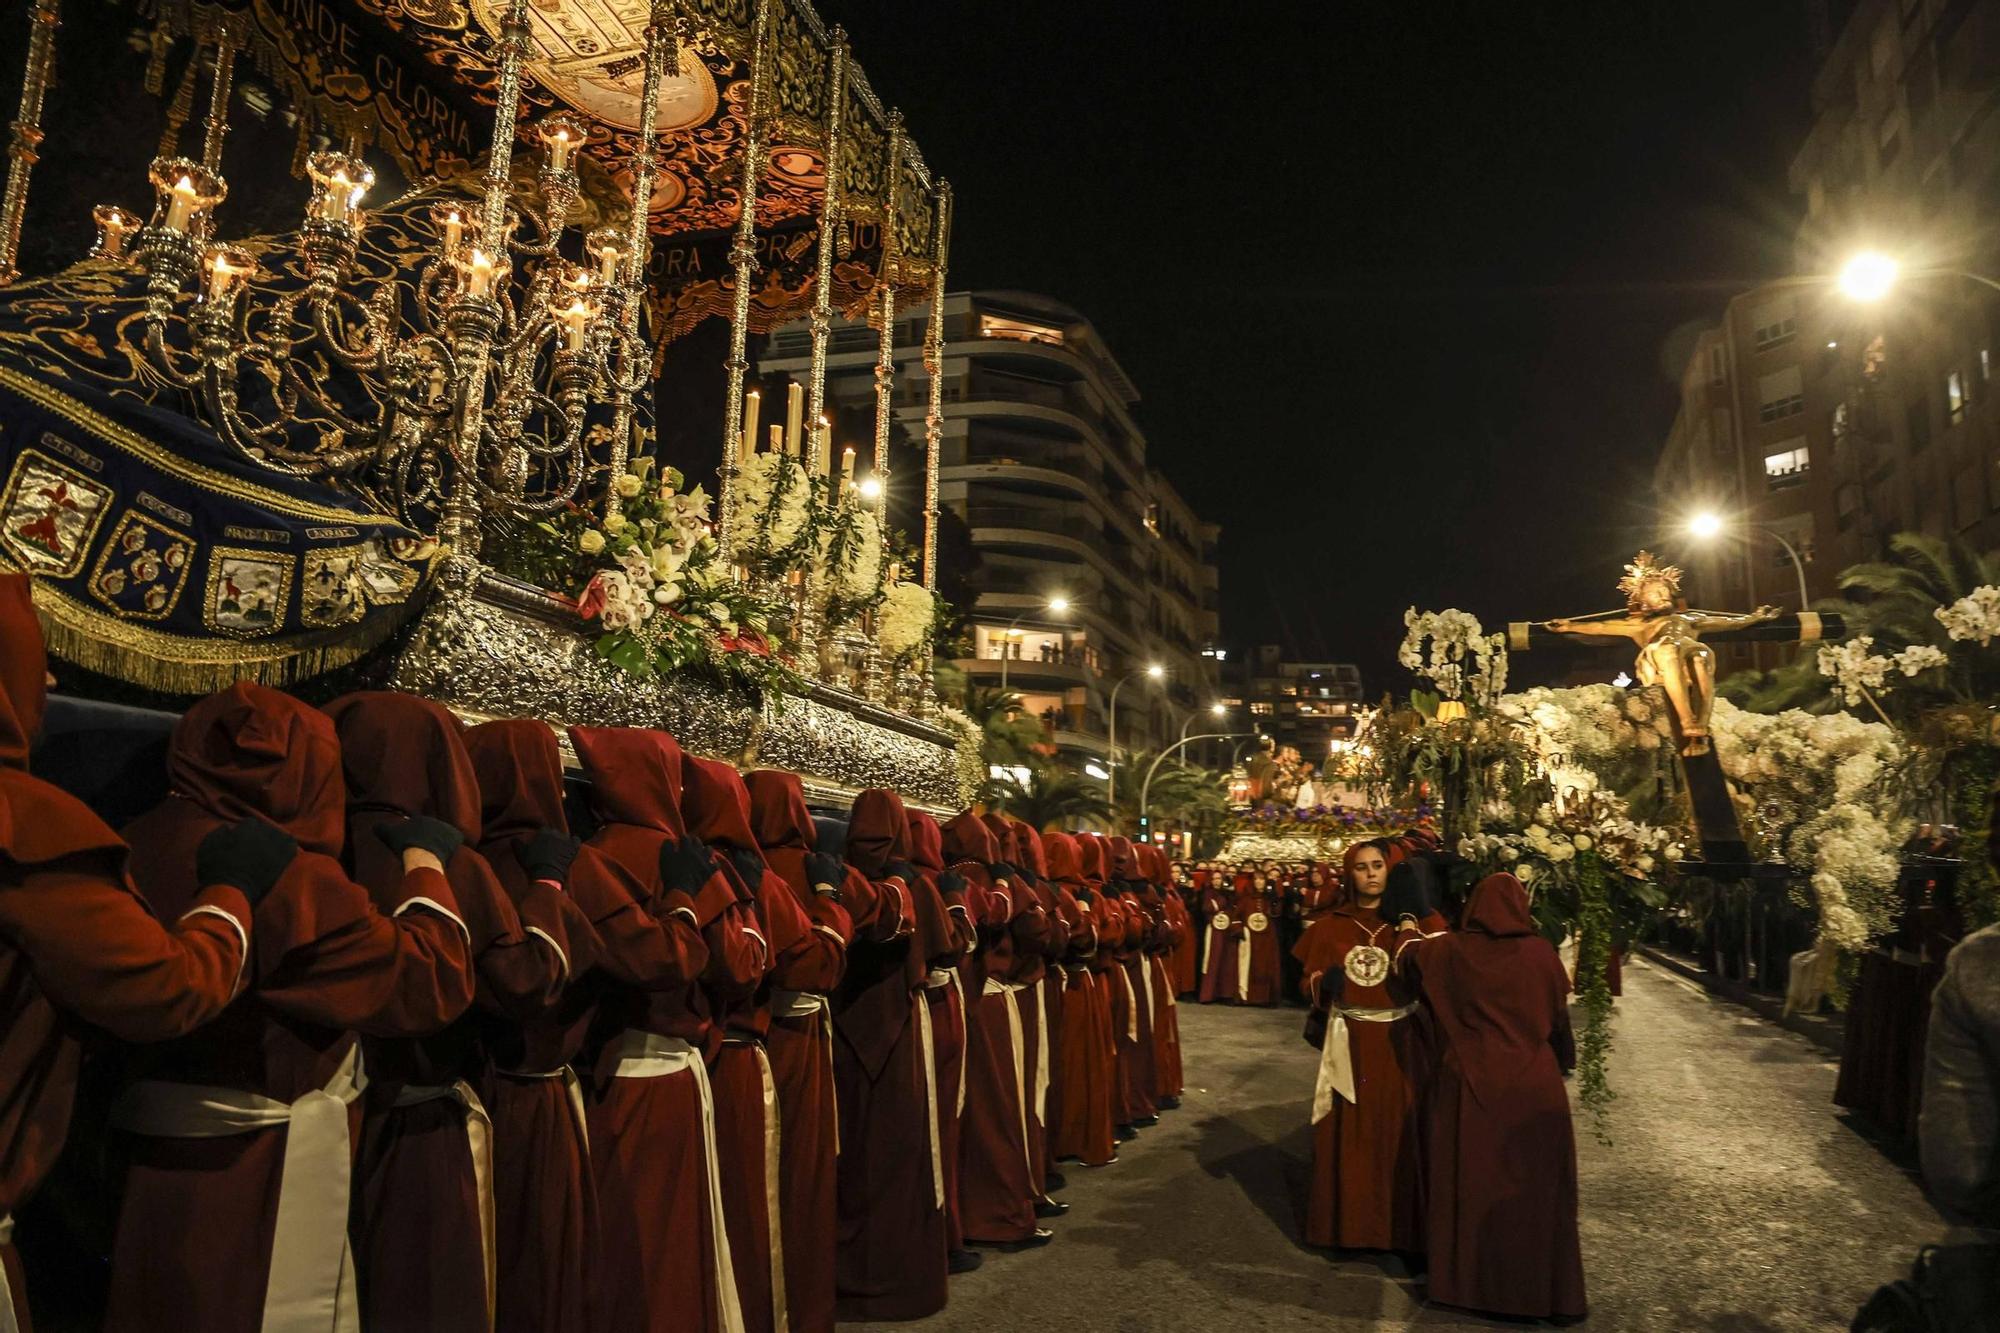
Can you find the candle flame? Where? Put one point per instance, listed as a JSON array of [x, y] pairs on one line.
[[186, 184]]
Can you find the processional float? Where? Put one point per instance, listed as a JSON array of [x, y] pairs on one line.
[[293, 456]]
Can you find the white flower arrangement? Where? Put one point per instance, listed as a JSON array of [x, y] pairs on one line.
[[1597, 822], [970, 755], [856, 575], [903, 624], [1857, 672], [1460, 654], [1974, 616], [773, 498]]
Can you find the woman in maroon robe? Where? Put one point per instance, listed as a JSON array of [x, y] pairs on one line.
[[1500, 1151], [1257, 907], [77, 943], [893, 1252], [1221, 975], [664, 1261], [1084, 1118], [997, 1190], [252, 1118], [944, 993], [424, 1243], [800, 1043], [1367, 1181]]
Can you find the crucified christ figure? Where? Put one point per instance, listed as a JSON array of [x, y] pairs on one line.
[[1668, 632]]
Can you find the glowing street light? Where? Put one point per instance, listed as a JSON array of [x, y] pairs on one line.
[[871, 489], [1868, 276], [1705, 525], [1708, 525], [1151, 671]]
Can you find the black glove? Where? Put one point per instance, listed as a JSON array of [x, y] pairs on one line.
[[686, 865], [548, 854], [1085, 896], [951, 882], [825, 872], [749, 865], [1002, 870], [249, 855], [902, 870], [432, 835]]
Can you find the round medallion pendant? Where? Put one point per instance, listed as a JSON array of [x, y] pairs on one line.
[[1258, 921], [1220, 921], [1366, 965]]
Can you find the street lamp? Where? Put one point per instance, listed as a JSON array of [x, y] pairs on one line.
[[1055, 606], [1146, 787], [1152, 671], [1709, 524], [1868, 276]]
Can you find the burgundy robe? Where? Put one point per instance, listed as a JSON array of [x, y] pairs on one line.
[[1367, 1182], [661, 1261], [893, 1245], [945, 994], [328, 963], [800, 1043], [1037, 943], [1083, 1119], [77, 943], [420, 1226], [997, 1190], [1500, 1148]]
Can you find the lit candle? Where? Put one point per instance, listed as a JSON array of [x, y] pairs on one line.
[[113, 223], [478, 274], [777, 438], [795, 406], [221, 277], [454, 231], [604, 245], [575, 320], [846, 469], [180, 204], [753, 407], [560, 138]]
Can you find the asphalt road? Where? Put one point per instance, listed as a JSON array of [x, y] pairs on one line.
[[1733, 1198]]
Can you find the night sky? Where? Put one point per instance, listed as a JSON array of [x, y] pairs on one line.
[[1406, 294]]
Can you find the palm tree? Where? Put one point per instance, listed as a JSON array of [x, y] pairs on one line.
[[1051, 794], [1185, 794], [1011, 735]]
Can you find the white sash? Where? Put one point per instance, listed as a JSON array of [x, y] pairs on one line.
[[773, 1169], [573, 1086], [995, 986], [1336, 1054], [964, 1021], [1243, 967], [799, 1004], [479, 1140], [9, 1321], [1131, 1001], [650, 1055], [1042, 1054], [924, 1037], [1146, 971], [1208, 955], [310, 1286]]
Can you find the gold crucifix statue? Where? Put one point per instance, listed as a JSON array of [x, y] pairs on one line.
[[1668, 632]]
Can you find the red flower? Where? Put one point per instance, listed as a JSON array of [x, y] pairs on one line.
[[593, 598], [750, 641]]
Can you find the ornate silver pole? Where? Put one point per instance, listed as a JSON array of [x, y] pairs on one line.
[[218, 96], [473, 320], [743, 258], [663, 58], [27, 137], [934, 367], [829, 224], [885, 356]]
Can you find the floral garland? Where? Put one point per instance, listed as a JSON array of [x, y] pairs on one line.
[[1816, 791], [1461, 655], [851, 558], [772, 520], [651, 580], [906, 624], [1593, 959], [970, 754]]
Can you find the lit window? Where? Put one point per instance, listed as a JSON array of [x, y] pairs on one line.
[[1020, 330], [1787, 467], [1954, 395], [1260, 710], [1772, 323]]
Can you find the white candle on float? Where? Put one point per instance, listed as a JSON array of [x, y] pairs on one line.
[[795, 404], [180, 204], [777, 438], [478, 274], [575, 321], [846, 469], [753, 408]]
